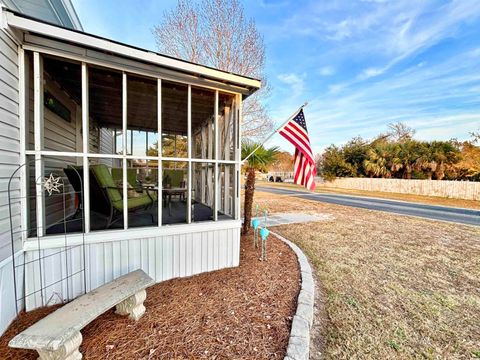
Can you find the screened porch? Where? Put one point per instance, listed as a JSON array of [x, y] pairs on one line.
[[157, 152]]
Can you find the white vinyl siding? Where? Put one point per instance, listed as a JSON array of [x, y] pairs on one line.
[[40, 9], [9, 161], [55, 11], [106, 145], [9, 140]]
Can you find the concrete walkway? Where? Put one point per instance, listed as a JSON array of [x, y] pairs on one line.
[[457, 215], [292, 218]]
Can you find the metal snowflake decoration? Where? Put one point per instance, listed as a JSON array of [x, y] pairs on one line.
[[52, 184]]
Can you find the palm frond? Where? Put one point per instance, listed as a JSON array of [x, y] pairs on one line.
[[261, 158]]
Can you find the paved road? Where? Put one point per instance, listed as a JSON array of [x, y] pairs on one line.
[[458, 215]]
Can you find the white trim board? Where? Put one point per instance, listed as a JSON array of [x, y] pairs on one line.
[[104, 236], [78, 53], [128, 157]]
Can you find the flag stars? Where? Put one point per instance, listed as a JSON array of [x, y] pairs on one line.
[[300, 120]]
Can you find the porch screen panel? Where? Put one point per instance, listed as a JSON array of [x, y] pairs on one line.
[[106, 193], [63, 208], [226, 195], [142, 124], [227, 126], [174, 185], [142, 193], [174, 120], [60, 102], [105, 110], [203, 196], [142, 142], [203, 123]]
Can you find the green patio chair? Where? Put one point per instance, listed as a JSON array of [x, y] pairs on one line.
[[117, 175], [175, 177], [113, 195]]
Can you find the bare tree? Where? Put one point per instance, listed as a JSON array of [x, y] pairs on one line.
[[217, 33], [400, 132], [475, 136]]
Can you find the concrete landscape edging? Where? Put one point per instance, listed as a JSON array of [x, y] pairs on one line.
[[299, 342]]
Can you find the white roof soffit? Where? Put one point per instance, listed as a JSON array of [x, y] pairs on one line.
[[53, 31]]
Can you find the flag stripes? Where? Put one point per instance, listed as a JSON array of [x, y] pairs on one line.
[[295, 131]]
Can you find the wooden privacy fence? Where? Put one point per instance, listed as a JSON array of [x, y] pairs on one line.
[[468, 190]]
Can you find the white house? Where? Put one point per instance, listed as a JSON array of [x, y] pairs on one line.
[[144, 149]]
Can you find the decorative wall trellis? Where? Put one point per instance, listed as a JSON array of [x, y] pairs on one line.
[[39, 290]]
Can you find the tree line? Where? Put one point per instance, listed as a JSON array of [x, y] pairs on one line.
[[396, 154]]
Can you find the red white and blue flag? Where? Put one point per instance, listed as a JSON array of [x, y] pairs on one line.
[[296, 132]]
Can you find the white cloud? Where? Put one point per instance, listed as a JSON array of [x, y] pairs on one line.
[[336, 88], [327, 71], [370, 72], [274, 3], [386, 32], [296, 83], [439, 100], [475, 52], [387, 67]]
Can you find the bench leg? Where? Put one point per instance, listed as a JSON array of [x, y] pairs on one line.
[[68, 351], [133, 306]]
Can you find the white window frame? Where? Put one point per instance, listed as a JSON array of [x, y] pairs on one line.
[[39, 153]]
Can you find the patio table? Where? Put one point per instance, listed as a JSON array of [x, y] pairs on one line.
[[167, 194]]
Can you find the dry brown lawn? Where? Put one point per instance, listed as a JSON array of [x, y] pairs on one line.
[[394, 286], [431, 200]]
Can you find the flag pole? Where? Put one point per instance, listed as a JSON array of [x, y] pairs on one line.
[[273, 133]]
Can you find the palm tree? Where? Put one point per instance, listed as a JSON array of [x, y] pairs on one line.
[[406, 155], [427, 161], [260, 160], [445, 154], [375, 164]]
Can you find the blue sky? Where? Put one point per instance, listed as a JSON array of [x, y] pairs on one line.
[[360, 65]]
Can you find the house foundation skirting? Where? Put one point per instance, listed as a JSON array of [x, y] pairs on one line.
[[161, 257]]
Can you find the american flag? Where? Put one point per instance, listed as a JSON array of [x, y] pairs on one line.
[[296, 132]]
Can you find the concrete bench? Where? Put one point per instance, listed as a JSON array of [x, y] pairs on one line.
[[57, 336]]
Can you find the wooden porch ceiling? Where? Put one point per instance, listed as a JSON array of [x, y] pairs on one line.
[[105, 98]]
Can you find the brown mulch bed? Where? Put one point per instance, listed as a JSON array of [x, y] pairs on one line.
[[243, 312]]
